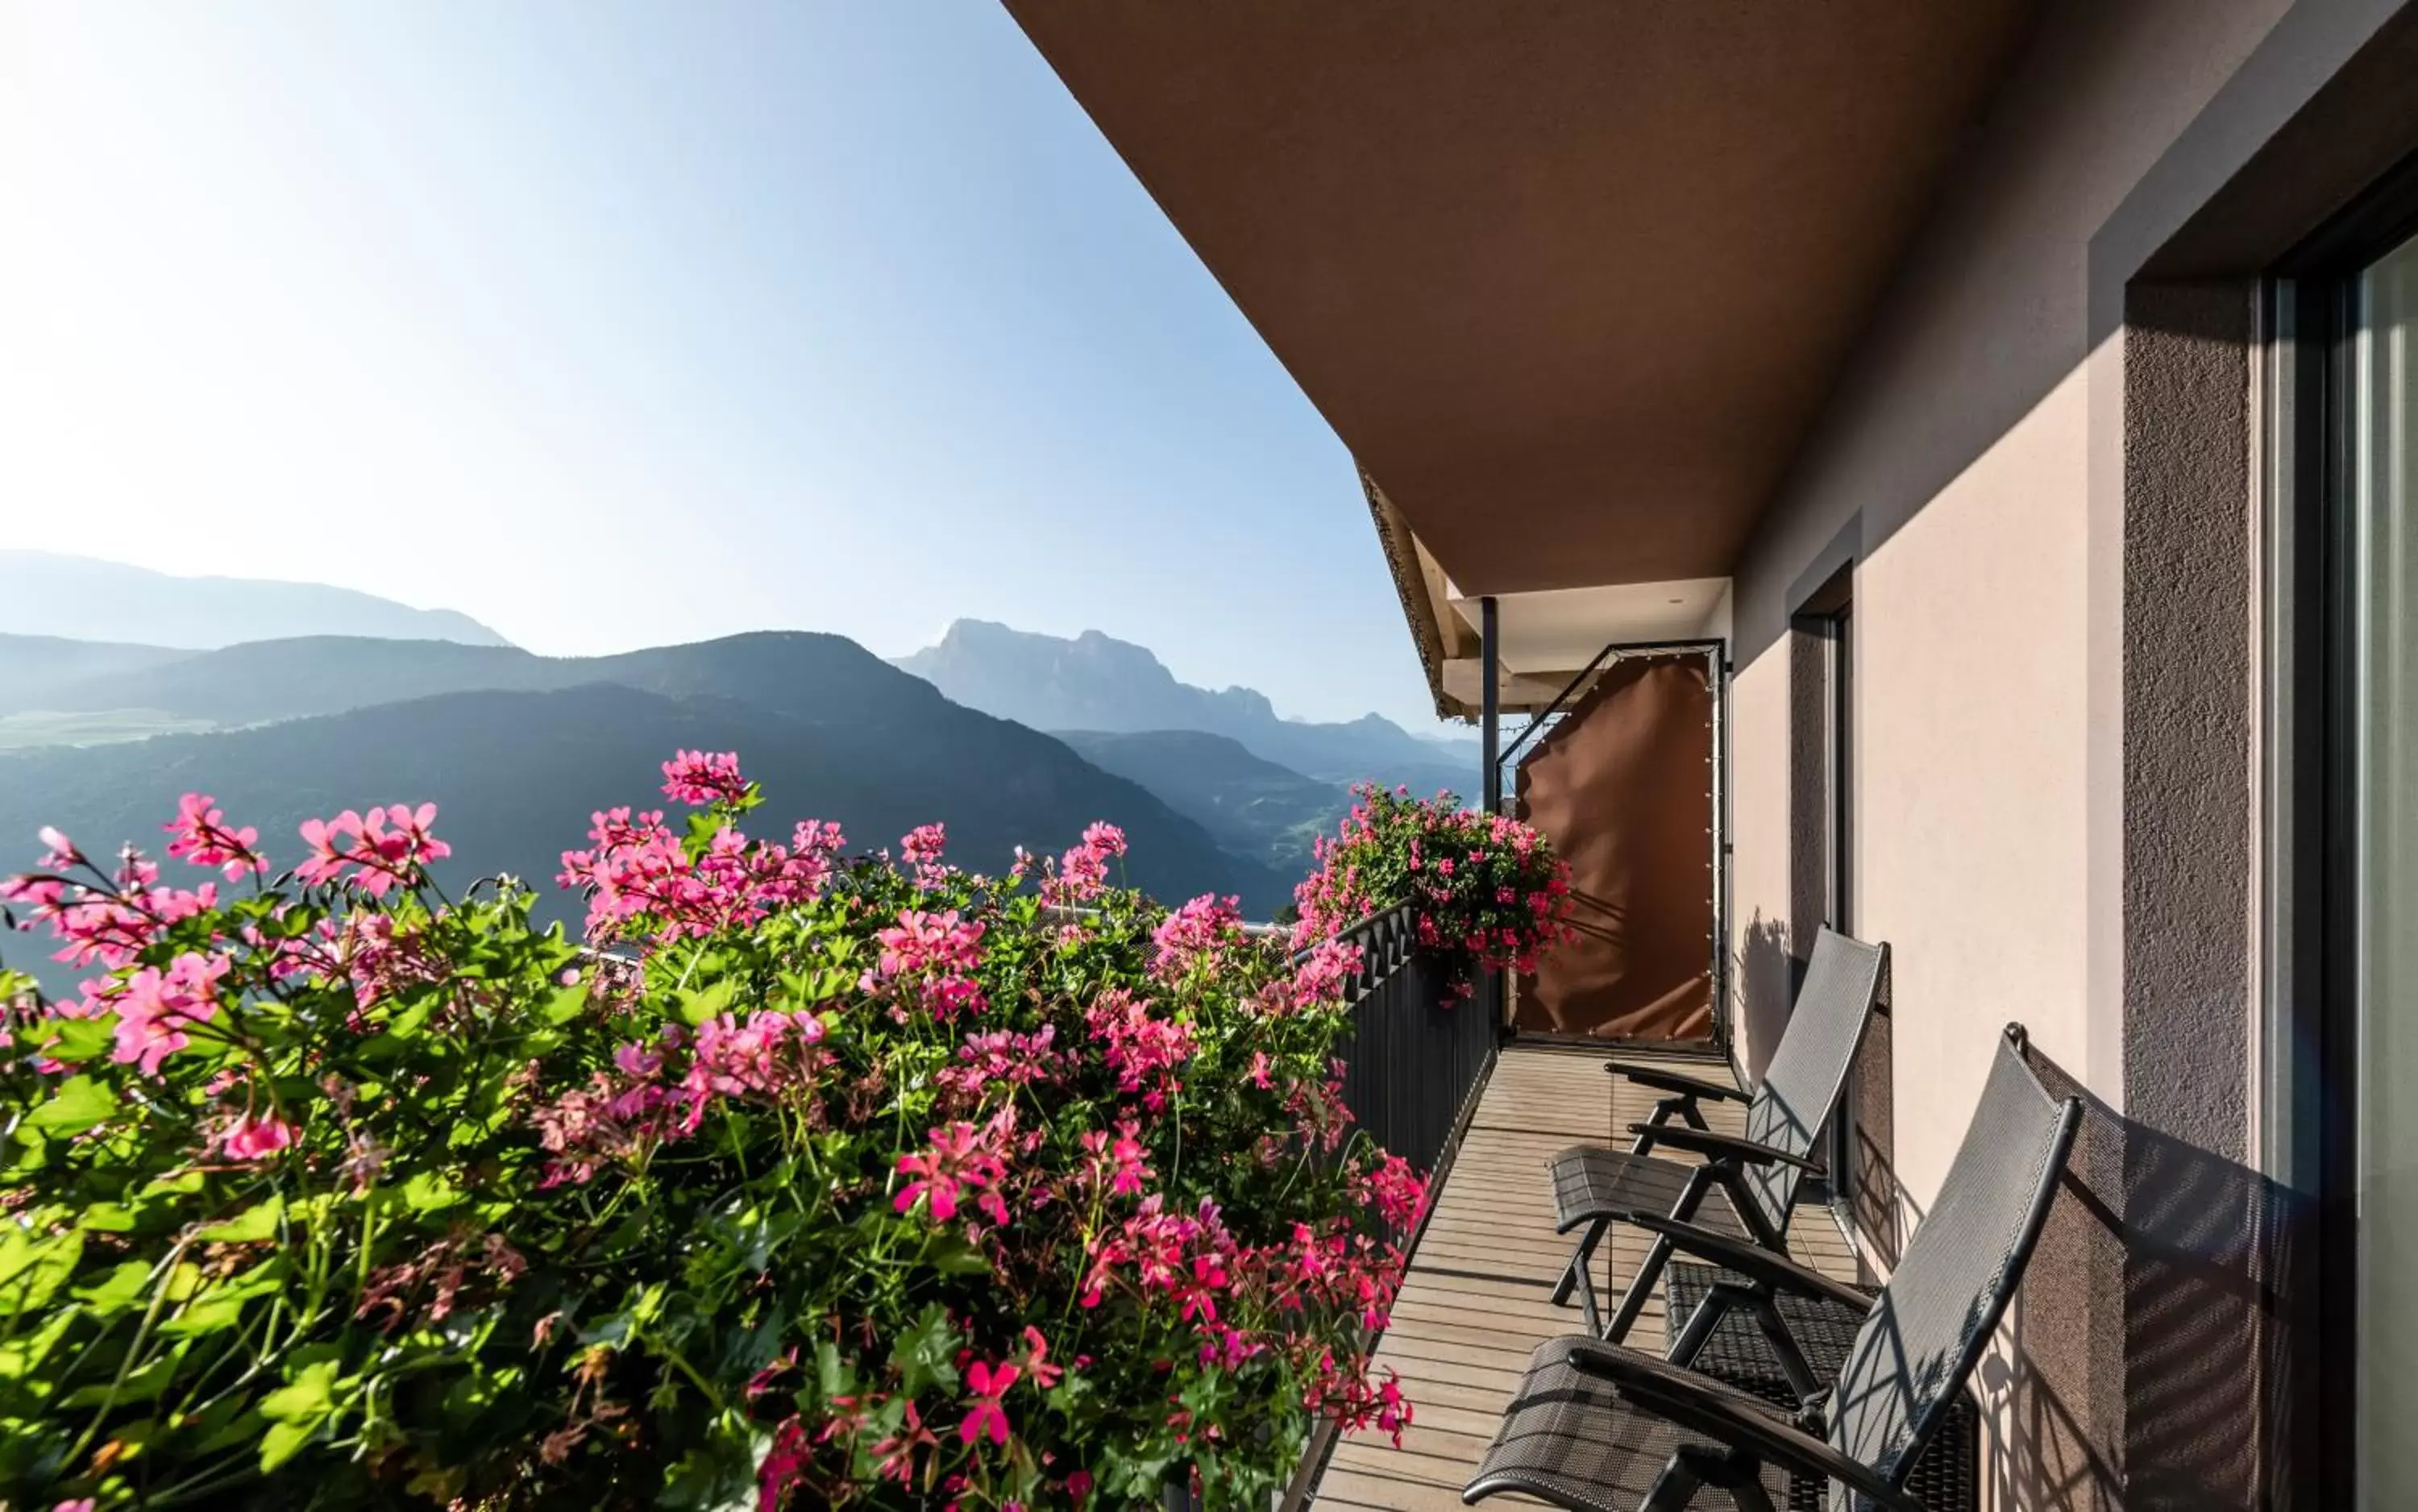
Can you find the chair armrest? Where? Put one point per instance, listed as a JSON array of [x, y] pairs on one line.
[[1726, 1147], [1689, 1401], [1672, 1081], [1753, 1262]]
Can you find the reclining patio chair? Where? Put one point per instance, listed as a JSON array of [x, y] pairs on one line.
[[1746, 1187], [1602, 1428]]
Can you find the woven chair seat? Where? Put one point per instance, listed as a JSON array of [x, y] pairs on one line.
[[1572, 1439], [1947, 1476], [1595, 1182]]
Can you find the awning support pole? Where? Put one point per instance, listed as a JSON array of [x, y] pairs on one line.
[[1491, 706], [1491, 749]]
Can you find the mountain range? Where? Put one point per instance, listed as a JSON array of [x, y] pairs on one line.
[[1097, 682], [1005, 736], [517, 750], [39, 589]]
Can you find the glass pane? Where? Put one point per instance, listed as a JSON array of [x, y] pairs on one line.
[[2384, 411]]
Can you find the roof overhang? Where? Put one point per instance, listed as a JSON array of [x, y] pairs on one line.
[[1570, 277]]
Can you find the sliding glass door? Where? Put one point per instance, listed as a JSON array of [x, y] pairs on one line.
[[2380, 463]]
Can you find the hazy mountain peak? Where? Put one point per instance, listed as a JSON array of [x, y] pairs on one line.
[[142, 607], [1094, 681]]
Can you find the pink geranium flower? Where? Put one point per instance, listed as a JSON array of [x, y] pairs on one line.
[[1190, 933], [155, 1006], [58, 852], [360, 850], [987, 1419], [699, 777], [255, 1138], [922, 847], [199, 833], [961, 1159], [1082, 872]]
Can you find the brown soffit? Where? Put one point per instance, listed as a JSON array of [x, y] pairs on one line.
[[1571, 276]]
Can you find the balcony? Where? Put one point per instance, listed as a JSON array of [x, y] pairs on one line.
[[1478, 1296]]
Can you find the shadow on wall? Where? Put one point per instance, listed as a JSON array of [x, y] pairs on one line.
[[1766, 989], [1884, 1214], [2170, 1303]]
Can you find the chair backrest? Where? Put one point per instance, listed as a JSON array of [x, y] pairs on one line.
[[1931, 1321], [1801, 1085]]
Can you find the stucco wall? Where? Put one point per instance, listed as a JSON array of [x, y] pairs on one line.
[[1956, 464], [1955, 456]]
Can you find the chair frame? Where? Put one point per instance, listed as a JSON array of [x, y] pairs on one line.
[[1669, 1390], [1726, 1158]]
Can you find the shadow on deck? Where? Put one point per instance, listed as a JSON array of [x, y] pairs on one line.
[[1478, 1295]]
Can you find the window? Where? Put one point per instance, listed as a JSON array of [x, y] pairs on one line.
[[1859, 1147], [2381, 452], [2338, 1117]]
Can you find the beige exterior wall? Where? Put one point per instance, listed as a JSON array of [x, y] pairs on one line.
[[1972, 462], [1957, 456]]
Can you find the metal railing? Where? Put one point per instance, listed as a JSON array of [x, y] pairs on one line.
[[1411, 1061], [1413, 1067]]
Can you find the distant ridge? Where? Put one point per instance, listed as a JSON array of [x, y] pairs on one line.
[[33, 665], [1251, 806], [1101, 684], [40, 592], [517, 750]]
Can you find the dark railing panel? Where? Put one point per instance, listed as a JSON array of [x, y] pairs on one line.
[[1411, 1061]]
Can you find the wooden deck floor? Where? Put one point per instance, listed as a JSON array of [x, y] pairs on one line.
[[1478, 1295]]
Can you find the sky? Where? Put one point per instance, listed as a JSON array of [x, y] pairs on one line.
[[617, 324]]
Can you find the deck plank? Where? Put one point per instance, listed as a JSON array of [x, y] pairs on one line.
[[1476, 1299]]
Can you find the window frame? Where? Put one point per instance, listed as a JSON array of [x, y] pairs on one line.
[[2306, 1080]]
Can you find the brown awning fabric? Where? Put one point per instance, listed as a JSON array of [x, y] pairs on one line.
[[1622, 787]]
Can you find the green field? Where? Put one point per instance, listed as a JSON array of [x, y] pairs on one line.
[[33, 727]]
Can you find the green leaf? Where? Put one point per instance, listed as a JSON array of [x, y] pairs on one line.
[[284, 1440], [139, 1386], [719, 1475], [221, 1305], [950, 1255], [106, 1217], [77, 1105], [429, 1191], [296, 1411], [22, 1356], [121, 1288], [221, 1426], [251, 1226], [563, 1004], [927, 1353], [696, 1007], [649, 1306], [32, 1270], [473, 1394], [408, 1023], [309, 1394], [178, 1184], [77, 1040]]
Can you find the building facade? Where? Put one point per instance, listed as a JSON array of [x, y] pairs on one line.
[[2027, 399]]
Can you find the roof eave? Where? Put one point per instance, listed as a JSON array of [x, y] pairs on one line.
[[1419, 583]]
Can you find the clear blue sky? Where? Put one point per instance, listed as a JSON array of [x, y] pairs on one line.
[[613, 324]]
